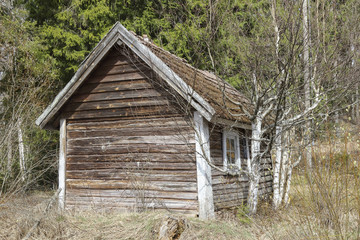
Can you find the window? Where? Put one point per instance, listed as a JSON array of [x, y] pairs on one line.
[[245, 148], [231, 149]]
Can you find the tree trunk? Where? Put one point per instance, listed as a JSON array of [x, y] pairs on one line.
[[284, 166], [307, 83], [278, 157], [21, 153], [254, 169]]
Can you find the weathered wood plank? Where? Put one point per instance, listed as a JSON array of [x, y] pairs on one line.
[[138, 173], [231, 196], [131, 193], [131, 157], [146, 166], [114, 86], [123, 123], [124, 184], [228, 178], [92, 203], [139, 139], [239, 182], [120, 69], [118, 59], [133, 131], [120, 209], [119, 77], [129, 118], [133, 148], [224, 190], [121, 112], [142, 93], [115, 174], [111, 104], [137, 197]]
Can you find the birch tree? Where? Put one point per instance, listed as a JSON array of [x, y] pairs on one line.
[[307, 83]]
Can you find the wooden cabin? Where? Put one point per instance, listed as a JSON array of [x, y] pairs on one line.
[[142, 129]]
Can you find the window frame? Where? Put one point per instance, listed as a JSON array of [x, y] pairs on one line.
[[245, 146], [235, 135]]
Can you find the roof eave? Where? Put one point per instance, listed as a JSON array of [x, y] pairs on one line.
[[231, 123]]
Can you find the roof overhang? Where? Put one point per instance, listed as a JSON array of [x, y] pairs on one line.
[[231, 123], [120, 35]]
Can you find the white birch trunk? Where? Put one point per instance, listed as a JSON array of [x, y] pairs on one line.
[[254, 170], [281, 168], [278, 157], [284, 167], [307, 84], [21, 152]]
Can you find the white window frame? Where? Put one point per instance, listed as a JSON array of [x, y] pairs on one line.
[[231, 134]]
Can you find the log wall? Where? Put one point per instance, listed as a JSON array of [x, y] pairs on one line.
[[128, 146], [231, 191]]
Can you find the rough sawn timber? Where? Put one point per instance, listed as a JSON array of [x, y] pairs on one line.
[[128, 145]]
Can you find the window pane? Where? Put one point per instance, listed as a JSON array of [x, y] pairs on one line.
[[231, 149], [232, 157], [232, 144]]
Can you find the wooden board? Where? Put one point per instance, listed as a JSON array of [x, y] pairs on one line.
[[127, 138]]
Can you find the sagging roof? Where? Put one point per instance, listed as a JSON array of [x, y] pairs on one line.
[[213, 97]]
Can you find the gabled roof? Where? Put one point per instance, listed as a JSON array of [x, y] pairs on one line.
[[203, 90]]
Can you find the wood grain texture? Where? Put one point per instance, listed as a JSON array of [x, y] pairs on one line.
[[128, 145]]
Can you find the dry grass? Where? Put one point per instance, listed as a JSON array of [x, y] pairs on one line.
[[329, 208], [306, 218], [18, 215]]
